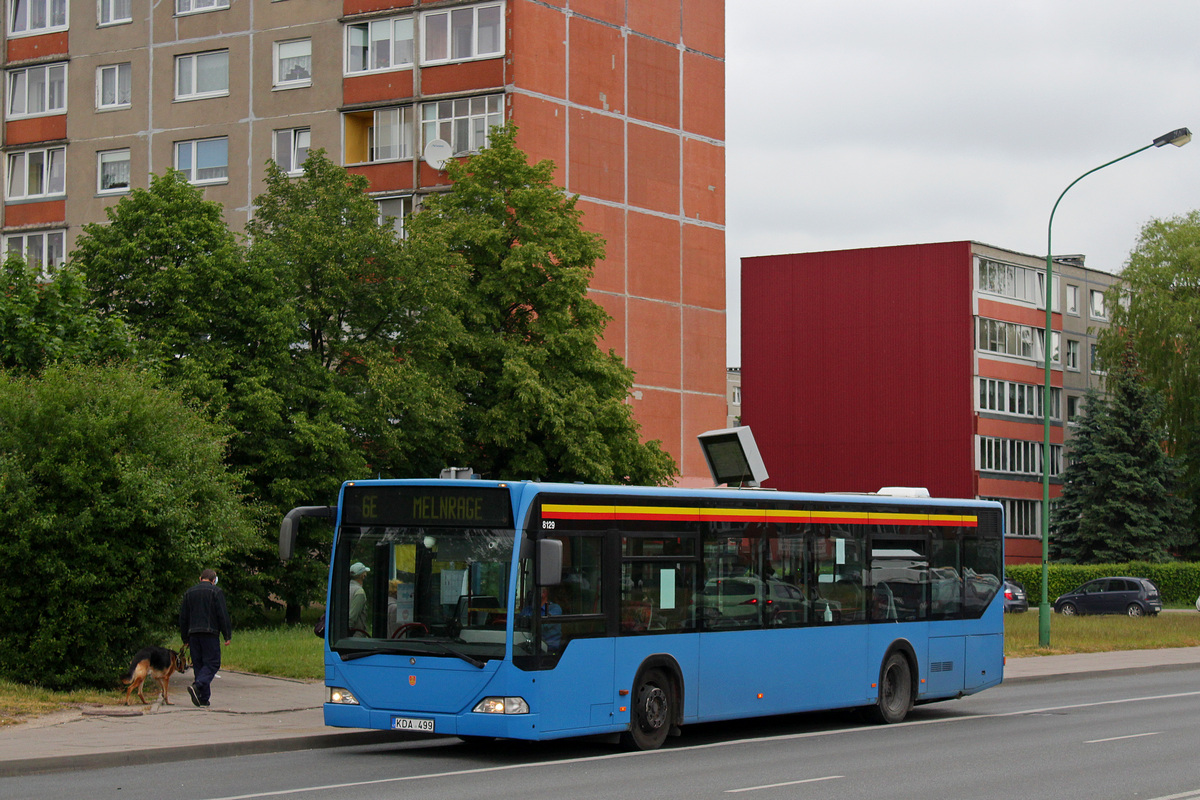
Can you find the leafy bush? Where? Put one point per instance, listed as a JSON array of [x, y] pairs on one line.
[[1177, 582], [115, 497]]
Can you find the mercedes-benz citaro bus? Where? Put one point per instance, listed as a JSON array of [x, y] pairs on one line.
[[524, 610]]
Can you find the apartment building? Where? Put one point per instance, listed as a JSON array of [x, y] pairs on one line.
[[626, 98], [918, 365]]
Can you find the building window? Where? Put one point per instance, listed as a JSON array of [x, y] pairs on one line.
[[736, 396], [1017, 399], [202, 75], [293, 63], [461, 34], [35, 91], [1022, 517], [397, 210], [1014, 339], [114, 86], [379, 45], [115, 12], [1095, 364], [112, 170], [44, 249], [1016, 456], [1074, 408], [385, 134], [196, 6], [36, 16], [291, 148], [1072, 299], [464, 123], [203, 160], [1096, 307], [1072, 354], [1017, 283], [37, 173]]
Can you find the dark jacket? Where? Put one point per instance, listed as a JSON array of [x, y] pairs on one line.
[[203, 611]]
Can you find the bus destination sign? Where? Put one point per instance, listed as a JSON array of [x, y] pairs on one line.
[[423, 506]]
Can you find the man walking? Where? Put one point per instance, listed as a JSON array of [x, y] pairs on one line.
[[202, 616]]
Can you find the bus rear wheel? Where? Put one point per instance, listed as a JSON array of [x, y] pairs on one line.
[[653, 712], [895, 690]]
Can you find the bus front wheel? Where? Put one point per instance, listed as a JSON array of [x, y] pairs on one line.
[[895, 690], [653, 712]]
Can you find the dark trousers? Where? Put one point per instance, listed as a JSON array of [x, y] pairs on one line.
[[206, 661]]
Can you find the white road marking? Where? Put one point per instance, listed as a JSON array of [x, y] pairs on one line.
[[1119, 738], [788, 783]]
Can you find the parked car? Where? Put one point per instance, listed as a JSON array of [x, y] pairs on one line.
[[1015, 599], [1133, 596]]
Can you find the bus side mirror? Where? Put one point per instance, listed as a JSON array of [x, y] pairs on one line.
[[288, 528], [550, 561]]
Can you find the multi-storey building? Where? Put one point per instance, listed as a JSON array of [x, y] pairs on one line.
[[918, 365], [627, 98]]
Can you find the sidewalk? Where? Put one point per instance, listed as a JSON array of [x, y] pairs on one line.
[[257, 714]]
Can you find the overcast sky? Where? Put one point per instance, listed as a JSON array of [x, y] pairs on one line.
[[884, 122]]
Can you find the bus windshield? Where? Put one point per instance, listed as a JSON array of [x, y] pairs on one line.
[[420, 590]]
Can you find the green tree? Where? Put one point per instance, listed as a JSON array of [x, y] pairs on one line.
[[1118, 502], [366, 388], [44, 321], [115, 496], [1156, 309], [541, 398]]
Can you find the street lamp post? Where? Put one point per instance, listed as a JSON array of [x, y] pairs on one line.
[[1179, 138]]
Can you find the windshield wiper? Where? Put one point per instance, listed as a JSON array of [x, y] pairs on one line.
[[474, 662]]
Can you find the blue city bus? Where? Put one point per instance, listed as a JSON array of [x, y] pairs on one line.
[[524, 610]]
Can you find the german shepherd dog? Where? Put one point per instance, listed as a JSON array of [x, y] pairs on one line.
[[157, 662]]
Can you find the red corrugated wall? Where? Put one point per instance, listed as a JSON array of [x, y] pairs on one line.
[[857, 368]]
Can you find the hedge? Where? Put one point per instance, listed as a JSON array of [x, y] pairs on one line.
[[1178, 582]]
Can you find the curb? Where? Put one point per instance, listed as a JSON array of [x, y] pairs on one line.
[[163, 755]]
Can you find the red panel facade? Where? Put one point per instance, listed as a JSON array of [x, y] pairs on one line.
[[857, 368]]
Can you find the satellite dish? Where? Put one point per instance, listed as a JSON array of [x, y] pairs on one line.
[[437, 153]]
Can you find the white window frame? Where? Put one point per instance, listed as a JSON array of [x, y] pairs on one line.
[[399, 221], [192, 60], [104, 157], [53, 171], [1072, 299], [1072, 355], [290, 138], [19, 83], [44, 243], [1015, 456], [107, 11], [389, 136], [184, 7], [373, 30], [1015, 282], [1096, 307], [281, 80], [191, 148], [439, 44], [442, 118], [998, 396], [50, 11], [116, 71]]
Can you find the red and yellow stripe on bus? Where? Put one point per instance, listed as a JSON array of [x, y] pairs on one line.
[[568, 511]]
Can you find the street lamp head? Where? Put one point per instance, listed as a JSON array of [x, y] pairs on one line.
[[1178, 138]]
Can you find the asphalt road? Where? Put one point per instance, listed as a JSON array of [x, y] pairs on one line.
[[1097, 737]]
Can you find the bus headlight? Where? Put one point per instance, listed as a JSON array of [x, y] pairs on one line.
[[502, 705], [342, 696]]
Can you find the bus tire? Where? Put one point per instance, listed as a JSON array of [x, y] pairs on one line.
[[895, 690], [652, 713]]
